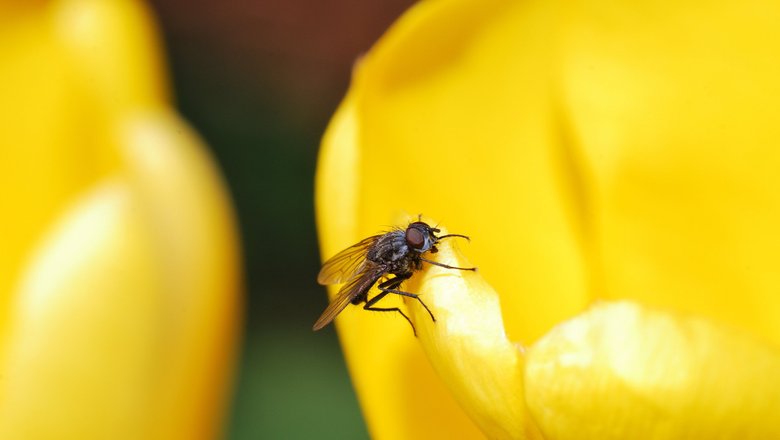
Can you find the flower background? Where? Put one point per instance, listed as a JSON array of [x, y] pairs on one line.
[[260, 81]]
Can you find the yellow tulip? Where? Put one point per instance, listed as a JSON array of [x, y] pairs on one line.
[[119, 269], [616, 167]]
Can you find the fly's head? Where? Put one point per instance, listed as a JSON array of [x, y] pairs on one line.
[[421, 238]]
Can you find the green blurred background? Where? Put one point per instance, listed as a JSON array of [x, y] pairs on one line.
[[259, 81]]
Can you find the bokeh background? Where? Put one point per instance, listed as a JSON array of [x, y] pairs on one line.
[[259, 81]]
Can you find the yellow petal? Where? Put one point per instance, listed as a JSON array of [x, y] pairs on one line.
[[47, 141], [673, 110], [83, 346], [122, 230], [622, 371], [162, 237], [193, 227], [113, 51], [468, 346], [66, 69]]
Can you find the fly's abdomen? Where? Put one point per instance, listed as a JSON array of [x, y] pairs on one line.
[[368, 283]]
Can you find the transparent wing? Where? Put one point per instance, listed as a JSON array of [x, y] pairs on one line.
[[361, 282], [346, 264]]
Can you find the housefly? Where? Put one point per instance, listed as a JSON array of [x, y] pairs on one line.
[[388, 259]]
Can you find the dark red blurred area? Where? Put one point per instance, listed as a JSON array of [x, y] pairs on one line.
[[302, 48]]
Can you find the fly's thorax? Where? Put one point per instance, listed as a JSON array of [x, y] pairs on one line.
[[389, 248]]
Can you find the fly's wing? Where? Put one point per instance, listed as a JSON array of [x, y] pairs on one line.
[[354, 287], [346, 264]]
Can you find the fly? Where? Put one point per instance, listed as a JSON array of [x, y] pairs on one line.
[[388, 259]]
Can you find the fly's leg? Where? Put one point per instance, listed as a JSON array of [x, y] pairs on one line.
[[391, 286], [436, 263], [370, 303]]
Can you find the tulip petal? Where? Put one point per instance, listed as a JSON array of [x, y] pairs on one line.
[[193, 225], [468, 346], [113, 48], [162, 236], [96, 270], [66, 69], [125, 322], [622, 371], [673, 106], [48, 154]]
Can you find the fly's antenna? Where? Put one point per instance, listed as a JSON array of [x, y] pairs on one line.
[[455, 235]]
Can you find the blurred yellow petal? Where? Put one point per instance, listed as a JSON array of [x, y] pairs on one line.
[[184, 198], [182, 276], [119, 275], [93, 292], [113, 48], [622, 371], [65, 68], [48, 141]]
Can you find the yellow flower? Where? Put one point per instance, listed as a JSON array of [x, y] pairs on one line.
[[616, 166], [119, 263]]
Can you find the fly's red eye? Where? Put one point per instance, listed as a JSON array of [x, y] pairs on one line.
[[415, 238]]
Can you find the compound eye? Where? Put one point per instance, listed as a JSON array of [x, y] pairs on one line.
[[415, 238]]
